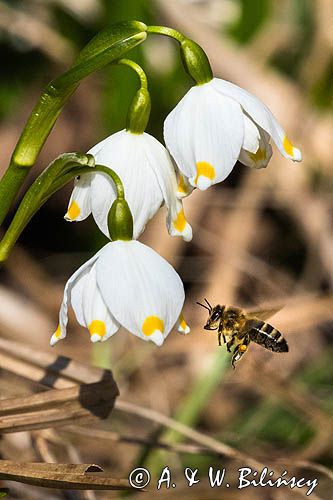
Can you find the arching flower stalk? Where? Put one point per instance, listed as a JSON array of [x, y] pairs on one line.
[[149, 178], [145, 167], [216, 124]]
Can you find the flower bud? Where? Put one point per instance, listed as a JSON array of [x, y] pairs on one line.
[[120, 220], [139, 112], [195, 61]]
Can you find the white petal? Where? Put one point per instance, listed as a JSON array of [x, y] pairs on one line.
[[98, 319], [177, 135], [251, 135], [79, 206], [141, 289], [60, 333], [261, 158], [204, 134], [261, 114], [125, 153], [161, 164]]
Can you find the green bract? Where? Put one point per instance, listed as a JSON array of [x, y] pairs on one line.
[[139, 112], [120, 220], [195, 61]]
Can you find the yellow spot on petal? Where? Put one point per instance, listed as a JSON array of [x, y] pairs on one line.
[[182, 322], [74, 211], [97, 327], [180, 222], [206, 169], [151, 324], [57, 333], [182, 188], [260, 155], [288, 147]]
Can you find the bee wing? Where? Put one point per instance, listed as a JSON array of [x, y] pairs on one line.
[[263, 313]]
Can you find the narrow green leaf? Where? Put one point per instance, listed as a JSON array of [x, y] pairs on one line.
[[103, 49]]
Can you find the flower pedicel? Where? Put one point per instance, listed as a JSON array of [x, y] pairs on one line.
[[149, 179]]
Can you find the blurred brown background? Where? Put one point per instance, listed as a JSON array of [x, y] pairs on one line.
[[262, 237]]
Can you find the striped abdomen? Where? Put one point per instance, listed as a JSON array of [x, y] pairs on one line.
[[267, 336]]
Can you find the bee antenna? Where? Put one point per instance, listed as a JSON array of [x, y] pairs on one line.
[[210, 307], [202, 305]]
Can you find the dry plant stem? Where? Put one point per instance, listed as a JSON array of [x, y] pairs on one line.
[[41, 441], [64, 476], [187, 448], [196, 436], [58, 407], [76, 373], [190, 410]]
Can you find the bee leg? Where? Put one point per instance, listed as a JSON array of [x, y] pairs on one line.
[[230, 344], [221, 334], [240, 350]]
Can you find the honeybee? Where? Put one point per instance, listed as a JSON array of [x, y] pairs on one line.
[[238, 328]]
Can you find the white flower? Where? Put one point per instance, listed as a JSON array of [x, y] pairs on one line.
[[216, 124], [148, 175], [125, 284]]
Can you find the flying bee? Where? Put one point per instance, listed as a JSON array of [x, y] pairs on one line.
[[238, 328]]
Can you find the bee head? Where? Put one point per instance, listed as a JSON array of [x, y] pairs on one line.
[[215, 314], [214, 318]]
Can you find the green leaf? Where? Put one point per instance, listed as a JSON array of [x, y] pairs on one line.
[[103, 49], [104, 39], [4, 492]]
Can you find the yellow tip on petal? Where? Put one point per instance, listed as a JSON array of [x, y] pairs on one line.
[[180, 222], [204, 169], [291, 150], [181, 185], [56, 336], [287, 146], [260, 155], [182, 325], [73, 212], [97, 330], [152, 324]]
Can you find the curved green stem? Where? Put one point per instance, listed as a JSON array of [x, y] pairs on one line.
[[164, 30], [137, 68], [103, 49], [139, 110], [193, 56], [54, 177]]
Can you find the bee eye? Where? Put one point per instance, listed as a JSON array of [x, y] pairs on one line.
[[215, 316]]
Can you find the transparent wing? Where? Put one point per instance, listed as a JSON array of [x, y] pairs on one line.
[[263, 313]]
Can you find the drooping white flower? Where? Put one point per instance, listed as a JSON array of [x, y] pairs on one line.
[[216, 124], [148, 175], [125, 284]]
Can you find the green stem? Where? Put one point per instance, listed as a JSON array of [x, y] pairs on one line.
[[194, 58], [170, 32], [137, 68], [57, 175], [103, 49]]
